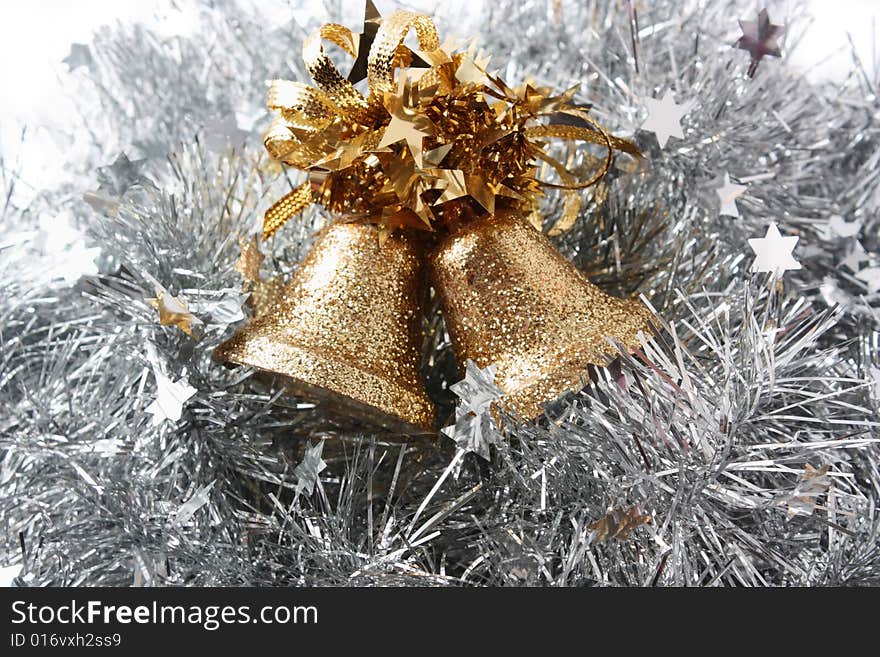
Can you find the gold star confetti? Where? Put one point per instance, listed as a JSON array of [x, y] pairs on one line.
[[619, 523], [248, 264], [173, 311], [402, 129]]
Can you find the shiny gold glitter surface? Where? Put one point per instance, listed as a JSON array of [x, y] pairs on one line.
[[346, 329], [510, 298]]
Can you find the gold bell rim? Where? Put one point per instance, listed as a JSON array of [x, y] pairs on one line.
[[306, 375]]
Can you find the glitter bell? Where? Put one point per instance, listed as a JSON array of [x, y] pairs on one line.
[[347, 329], [511, 299]]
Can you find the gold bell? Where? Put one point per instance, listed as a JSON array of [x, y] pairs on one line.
[[510, 298], [347, 329]]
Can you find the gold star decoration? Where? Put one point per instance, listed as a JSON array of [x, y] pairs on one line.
[[402, 129], [372, 20], [402, 126], [173, 311], [248, 264], [619, 523], [458, 184]]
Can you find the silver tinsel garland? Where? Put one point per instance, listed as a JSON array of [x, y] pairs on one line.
[[739, 447]]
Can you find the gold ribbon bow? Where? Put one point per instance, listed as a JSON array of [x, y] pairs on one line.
[[446, 141]]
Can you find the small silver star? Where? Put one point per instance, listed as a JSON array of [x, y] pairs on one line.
[[774, 252], [664, 117], [220, 134], [123, 174], [727, 194], [474, 429], [79, 55], [837, 226], [871, 277], [220, 307], [477, 390], [856, 256], [307, 472], [170, 398]]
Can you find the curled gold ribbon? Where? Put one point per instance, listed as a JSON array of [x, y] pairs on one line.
[[380, 67], [436, 140]]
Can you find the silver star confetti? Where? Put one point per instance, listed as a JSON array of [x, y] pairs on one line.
[[220, 134], [188, 509], [727, 195], [120, 176], [759, 39], [307, 472], [837, 226], [474, 429], [477, 390], [79, 55], [774, 252], [170, 399], [664, 117]]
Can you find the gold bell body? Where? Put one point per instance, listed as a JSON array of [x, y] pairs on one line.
[[510, 298], [347, 329]]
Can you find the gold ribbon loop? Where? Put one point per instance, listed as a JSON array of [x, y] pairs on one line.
[[295, 101], [597, 136], [391, 34], [286, 208], [324, 71]]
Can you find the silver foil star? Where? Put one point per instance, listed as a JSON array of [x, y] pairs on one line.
[[123, 174], [759, 39], [837, 226], [477, 390], [222, 133], [307, 472], [664, 117], [727, 195], [228, 310], [79, 55], [773, 252], [474, 429], [170, 398]]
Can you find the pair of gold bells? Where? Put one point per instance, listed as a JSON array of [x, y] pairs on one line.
[[347, 329], [437, 170]]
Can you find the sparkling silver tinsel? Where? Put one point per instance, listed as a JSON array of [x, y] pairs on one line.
[[740, 447]]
